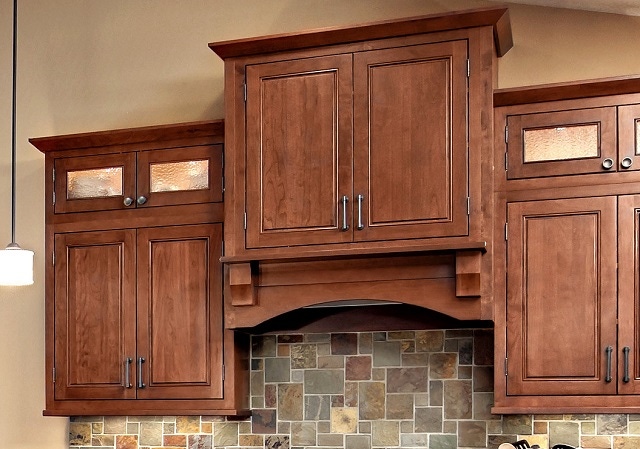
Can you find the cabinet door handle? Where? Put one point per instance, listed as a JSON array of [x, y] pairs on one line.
[[608, 351], [127, 372], [128, 201], [625, 351], [627, 162], [360, 225], [140, 382], [607, 163], [344, 201], [141, 200]]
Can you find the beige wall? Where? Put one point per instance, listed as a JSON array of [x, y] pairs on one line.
[[88, 65]]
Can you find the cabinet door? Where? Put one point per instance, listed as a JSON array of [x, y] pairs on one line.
[[299, 151], [180, 312], [629, 137], [410, 142], [629, 294], [92, 183], [94, 314], [562, 143], [179, 176], [561, 297]]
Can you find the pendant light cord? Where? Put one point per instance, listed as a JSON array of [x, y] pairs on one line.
[[13, 124]]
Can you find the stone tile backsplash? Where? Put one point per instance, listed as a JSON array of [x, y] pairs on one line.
[[406, 389]]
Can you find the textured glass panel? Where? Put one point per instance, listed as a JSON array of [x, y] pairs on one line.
[[637, 143], [173, 176], [560, 143], [97, 183]]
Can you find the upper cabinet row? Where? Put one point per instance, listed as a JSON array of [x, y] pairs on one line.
[[366, 136]]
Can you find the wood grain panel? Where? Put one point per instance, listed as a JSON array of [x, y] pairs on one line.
[[95, 314], [298, 150], [628, 141], [411, 141], [561, 296], [179, 310], [629, 293]]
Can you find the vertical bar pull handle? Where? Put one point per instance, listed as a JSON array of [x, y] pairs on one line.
[[344, 201], [625, 351], [127, 372], [140, 382], [360, 224], [608, 351]]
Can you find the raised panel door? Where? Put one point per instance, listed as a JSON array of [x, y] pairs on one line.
[[561, 297], [410, 142], [94, 314], [628, 351], [180, 312], [299, 151]]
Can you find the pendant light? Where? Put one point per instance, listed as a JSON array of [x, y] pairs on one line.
[[16, 264]]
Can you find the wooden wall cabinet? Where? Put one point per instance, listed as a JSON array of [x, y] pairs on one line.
[[347, 143], [567, 286], [134, 292]]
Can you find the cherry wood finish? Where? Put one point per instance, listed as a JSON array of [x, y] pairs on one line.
[[140, 282], [410, 154], [497, 18], [299, 151], [580, 259], [136, 168], [603, 118], [180, 329], [95, 317], [629, 293], [561, 297], [398, 115], [566, 91]]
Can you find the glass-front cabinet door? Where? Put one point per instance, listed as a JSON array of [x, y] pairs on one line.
[[561, 143], [138, 179]]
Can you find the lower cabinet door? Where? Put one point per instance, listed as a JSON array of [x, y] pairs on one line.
[[629, 294], [180, 312], [94, 321], [561, 297]]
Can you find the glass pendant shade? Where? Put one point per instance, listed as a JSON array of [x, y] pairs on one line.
[[16, 266]]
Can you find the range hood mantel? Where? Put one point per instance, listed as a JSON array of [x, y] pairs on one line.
[[446, 282]]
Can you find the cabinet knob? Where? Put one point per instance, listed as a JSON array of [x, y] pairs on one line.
[[607, 163], [626, 162], [128, 201], [141, 200]]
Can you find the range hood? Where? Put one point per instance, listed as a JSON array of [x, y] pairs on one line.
[[388, 288]]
